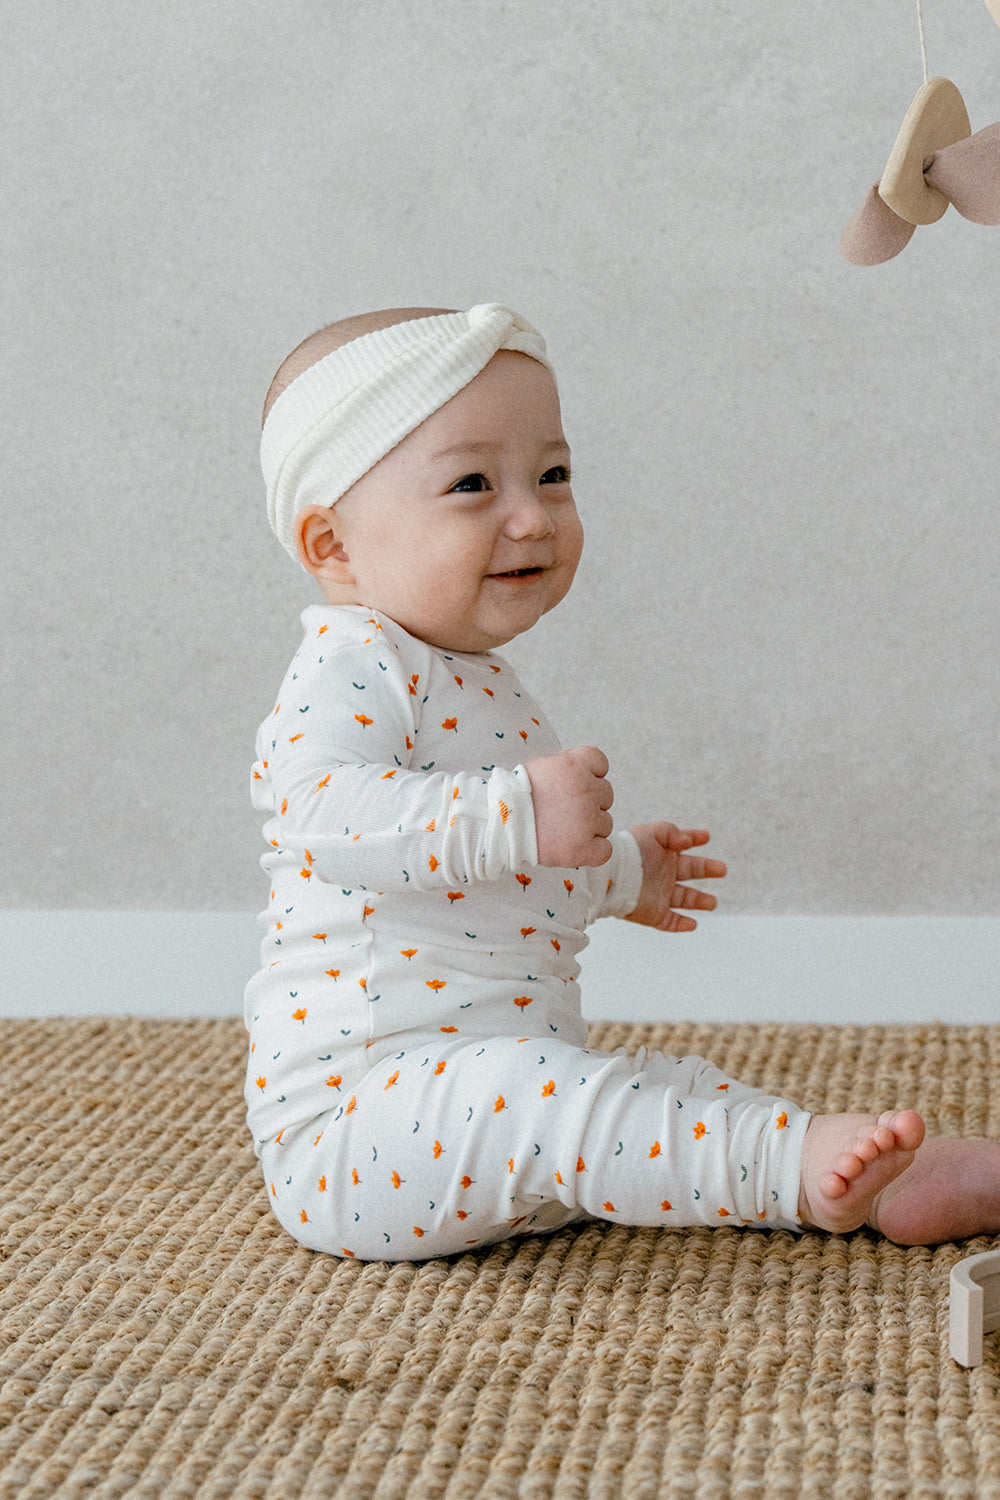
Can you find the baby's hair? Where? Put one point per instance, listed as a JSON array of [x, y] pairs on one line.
[[323, 342]]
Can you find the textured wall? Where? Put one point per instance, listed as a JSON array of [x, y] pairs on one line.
[[785, 626]]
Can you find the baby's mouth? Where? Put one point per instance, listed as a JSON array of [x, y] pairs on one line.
[[518, 573]]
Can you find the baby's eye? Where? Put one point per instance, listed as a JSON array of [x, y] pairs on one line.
[[557, 475], [471, 484]]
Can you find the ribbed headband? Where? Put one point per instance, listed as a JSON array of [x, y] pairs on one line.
[[351, 408]]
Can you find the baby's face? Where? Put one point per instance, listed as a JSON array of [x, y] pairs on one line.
[[467, 532]]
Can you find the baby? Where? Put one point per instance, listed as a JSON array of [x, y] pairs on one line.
[[418, 1081]]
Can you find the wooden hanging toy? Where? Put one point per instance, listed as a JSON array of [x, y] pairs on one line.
[[936, 161]]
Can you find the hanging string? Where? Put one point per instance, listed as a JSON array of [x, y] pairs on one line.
[[923, 39]]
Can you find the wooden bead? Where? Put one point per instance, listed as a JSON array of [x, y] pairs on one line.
[[936, 118]]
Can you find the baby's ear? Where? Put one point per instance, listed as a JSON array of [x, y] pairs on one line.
[[320, 549]]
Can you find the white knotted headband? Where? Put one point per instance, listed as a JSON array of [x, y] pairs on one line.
[[351, 408]]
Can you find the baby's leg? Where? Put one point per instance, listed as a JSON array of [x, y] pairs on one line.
[[455, 1144]]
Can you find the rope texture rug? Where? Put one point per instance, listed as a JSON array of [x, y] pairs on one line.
[[161, 1337]]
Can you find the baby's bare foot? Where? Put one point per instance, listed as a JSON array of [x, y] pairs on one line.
[[848, 1161], [951, 1192]]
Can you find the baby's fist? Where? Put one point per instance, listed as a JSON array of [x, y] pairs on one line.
[[571, 796]]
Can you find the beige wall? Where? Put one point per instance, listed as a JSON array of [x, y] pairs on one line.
[[786, 623]]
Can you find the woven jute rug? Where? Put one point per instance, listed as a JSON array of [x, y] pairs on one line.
[[161, 1337]]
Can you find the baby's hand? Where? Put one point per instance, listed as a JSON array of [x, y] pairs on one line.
[[571, 798], [666, 864]]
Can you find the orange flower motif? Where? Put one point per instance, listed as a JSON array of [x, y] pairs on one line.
[[556, 944], [333, 973], [523, 880], [322, 1184], [440, 1069], [355, 1179], [581, 1165], [303, 1216], [418, 1232], [609, 1208], [527, 931], [666, 1205], [438, 1148], [436, 984], [409, 952], [570, 888], [456, 895], [397, 1181], [549, 1089], [448, 1028], [500, 1105], [654, 1150], [449, 724], [393, 1079], [433, 864], [559, 1179], [466, 1182], [504, 811], [388, 775], [334, 1080], [321, 784], [510, 1166], [352, 1105], [299, 1015], [261, 1083], [722, 1087], [523, 1000], [723, 1213], [363, 720], [461, 1214], [413, 683], [782, 1121], [699, 1131]]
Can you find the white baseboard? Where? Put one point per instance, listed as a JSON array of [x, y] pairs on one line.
[[837, 970]]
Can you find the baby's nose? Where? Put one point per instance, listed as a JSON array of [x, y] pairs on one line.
[[528, 517]]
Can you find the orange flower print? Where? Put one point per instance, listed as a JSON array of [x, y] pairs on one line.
[[355, 1179], [393, 1079], [333, 1082], [527, 931], [699, 1131], [438, 1149], [262, 1084], [418, 1232], [333, 973], [500, 1105], [299, 1015], [609, 1208], [456, 896], [322, 1184], [782, 1121], [466, 1182], [723, 1213], [432, 864], [397, 1181], [523, 1000], [549, 1089], [504, 811], [304, 1217], [448, 1028], [559, 1179], [722, 1087], [570, 887], [352, 1105], [324, 783], [581, 1165], [654, 1150], [449, 724], [440, 1068], [666, 1205], [523, 880], [409, 952], [436, 984], [363, 720]]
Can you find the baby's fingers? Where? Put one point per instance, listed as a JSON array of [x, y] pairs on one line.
[[695, 867]]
